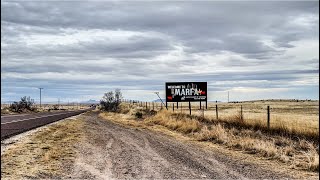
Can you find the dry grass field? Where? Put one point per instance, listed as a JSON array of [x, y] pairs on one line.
[[293, 137], [40, 155], [301, 117]]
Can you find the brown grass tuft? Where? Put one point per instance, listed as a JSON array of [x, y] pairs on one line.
[[313, 161], [217, 133], [182, 124]]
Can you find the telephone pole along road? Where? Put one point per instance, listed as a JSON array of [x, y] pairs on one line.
[[15, 124]]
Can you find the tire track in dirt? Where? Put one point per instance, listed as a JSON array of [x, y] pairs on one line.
[[112, 151]]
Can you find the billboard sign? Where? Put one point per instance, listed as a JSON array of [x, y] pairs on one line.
[[186, 91]]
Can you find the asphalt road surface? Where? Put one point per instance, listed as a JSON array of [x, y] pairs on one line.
[[15, 124]]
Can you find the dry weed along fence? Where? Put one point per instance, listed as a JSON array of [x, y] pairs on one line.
[[299, 117]]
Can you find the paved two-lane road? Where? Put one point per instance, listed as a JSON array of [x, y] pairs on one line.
[[15, 124]]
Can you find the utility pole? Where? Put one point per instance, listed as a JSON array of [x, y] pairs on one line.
[[228, 96], [40, 96], [157, 93]]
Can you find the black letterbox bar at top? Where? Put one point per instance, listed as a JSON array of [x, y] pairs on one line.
[[186, 91]]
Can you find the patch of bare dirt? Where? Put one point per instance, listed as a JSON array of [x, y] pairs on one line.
[[90, 147], [112, 151]]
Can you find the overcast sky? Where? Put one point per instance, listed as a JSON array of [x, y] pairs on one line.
[[77, 50]]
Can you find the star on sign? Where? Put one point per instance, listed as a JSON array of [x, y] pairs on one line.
[[196, 91], [199, 91]]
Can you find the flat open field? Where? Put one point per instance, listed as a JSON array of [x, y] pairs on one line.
[[301, 115], [97, 145], [137, 143]]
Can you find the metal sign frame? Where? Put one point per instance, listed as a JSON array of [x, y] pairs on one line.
[[186, 92]]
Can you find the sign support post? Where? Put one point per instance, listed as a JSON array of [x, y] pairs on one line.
[[190, 107]]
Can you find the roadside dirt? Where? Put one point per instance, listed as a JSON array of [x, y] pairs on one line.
[[91, 147], [112, 151]]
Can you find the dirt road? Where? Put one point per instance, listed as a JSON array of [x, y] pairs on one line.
[[111, 151]]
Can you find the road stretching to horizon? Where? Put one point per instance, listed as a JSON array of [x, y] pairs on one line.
[[15, 124]]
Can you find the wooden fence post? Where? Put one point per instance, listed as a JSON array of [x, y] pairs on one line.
[[166, 105], [217, 112], [268, 116], [190, 107], [241, 117], [152, 105], [203, 112]]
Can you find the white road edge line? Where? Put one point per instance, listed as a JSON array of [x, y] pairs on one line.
[[14, 115]]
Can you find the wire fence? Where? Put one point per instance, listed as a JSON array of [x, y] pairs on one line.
[[303, 114]]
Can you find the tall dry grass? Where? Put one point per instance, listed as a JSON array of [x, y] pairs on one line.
[[297, 116], [298, 149], [177, 123], [278, 125], [41, 154]]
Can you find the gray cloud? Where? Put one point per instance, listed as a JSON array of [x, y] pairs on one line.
[[140, 45]]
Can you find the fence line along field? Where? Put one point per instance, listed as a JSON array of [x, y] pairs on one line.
[[301, 116], [292, 138]]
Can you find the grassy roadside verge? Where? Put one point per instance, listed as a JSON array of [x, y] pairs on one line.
[[43, 154], [295, 153]]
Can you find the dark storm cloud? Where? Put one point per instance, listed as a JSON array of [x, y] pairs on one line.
[[135, 44]]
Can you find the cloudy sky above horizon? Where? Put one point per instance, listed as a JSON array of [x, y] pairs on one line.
[[77, 50]]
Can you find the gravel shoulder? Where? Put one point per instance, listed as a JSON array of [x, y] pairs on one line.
[[91, 147], [112, 151]]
